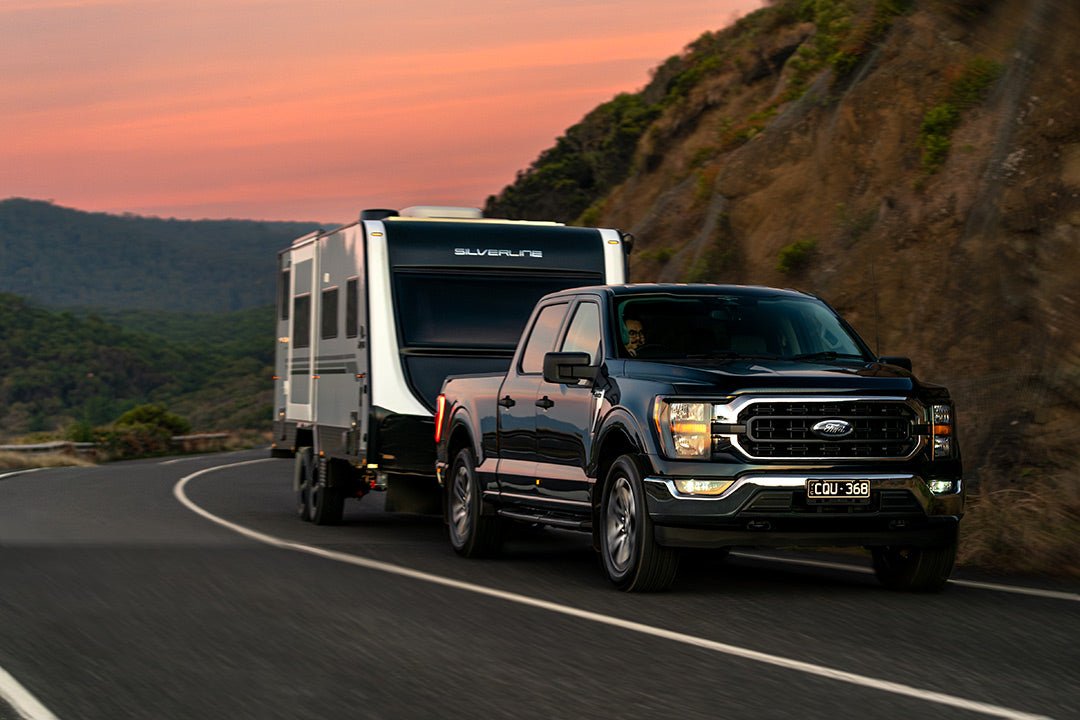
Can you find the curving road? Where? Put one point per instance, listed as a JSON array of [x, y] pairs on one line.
[[128, 591]]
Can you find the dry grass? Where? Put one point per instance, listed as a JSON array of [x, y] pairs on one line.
[[19, 460], [1033, 529]]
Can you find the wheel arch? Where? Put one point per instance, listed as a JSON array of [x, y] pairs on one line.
[[614, 441], [460, 437]]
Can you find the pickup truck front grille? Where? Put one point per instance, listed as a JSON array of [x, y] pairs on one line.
[[882, 429]]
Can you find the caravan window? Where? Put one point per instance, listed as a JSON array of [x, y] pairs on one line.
[[352, 307], [454, 309], [283, 295], [329, 313], [301, 334]]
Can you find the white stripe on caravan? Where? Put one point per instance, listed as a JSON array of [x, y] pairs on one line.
[[388, 387], [821, 671], [614, 257]]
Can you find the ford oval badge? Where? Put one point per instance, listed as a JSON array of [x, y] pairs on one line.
[[833, 429]]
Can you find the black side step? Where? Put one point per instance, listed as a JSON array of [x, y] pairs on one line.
[[545, 519]]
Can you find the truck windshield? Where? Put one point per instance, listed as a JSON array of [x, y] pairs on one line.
[[733, 326]]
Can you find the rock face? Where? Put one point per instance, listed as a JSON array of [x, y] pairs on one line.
[[915, 164]]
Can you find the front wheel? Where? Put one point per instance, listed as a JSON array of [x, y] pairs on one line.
[[914, 569], [472, 533], [632, 558]]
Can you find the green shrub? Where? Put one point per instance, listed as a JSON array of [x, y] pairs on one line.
[[660, 255], [155, 416], [970, 88], [796, 256], [973, 85]]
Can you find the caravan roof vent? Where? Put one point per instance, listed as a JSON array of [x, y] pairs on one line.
[[437, 211]]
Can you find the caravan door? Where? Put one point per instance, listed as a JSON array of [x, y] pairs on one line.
[[300, 378]]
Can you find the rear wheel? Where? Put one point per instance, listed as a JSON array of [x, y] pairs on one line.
[[914, 569], [472, 533], [302, 472], [632, 558], [326, 501]]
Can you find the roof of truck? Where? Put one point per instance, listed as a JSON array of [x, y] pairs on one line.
[[684, 289]]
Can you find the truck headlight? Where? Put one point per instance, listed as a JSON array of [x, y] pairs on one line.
[[685, 428], [941, 424]]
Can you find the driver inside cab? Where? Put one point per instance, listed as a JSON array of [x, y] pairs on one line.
[[635, 333]]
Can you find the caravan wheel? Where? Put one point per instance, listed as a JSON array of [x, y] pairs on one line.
[[302, 478]]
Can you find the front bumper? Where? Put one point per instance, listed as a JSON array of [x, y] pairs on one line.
[[771, 509]]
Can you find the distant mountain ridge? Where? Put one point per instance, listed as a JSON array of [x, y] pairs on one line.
[[61, 257]]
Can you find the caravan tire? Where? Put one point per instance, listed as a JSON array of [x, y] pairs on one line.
[[326, 502], [302, 472]]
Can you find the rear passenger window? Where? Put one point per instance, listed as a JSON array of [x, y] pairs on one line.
[[542, 338], [584, 333]]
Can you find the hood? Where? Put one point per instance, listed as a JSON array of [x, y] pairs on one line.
[[726, 377]]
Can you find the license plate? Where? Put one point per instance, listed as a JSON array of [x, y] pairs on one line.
[[853, 491]]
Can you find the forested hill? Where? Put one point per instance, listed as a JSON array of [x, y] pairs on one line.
[[61, 257], [59, 368]]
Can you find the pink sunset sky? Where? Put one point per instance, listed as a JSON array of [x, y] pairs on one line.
[[312, 110]]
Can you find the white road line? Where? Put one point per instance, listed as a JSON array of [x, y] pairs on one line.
[[203, 456], [183, 459], [23, 472], [996, 587], [26, 705], [724, 648]]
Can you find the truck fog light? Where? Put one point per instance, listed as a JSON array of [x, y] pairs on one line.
[[702, 487], [942, 487], [942, 446]]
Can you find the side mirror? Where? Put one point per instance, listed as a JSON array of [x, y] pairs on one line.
[[567, 368], [897, 360]]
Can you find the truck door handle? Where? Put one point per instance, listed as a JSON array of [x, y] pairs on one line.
[[508, 402], [545, 402]]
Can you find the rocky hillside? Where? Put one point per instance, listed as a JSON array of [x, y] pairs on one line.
[[917, 164]]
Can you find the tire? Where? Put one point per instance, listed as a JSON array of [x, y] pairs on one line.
[[472, 533], [326, 502], [633, 560], [914, 569], [302, 472]]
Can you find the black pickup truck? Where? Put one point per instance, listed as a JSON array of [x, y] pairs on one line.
[[662, 417]]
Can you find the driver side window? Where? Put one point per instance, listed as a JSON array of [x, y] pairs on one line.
[[584, 333]]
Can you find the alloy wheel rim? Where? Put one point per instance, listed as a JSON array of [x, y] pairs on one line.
[[621, 525], [462, 499]]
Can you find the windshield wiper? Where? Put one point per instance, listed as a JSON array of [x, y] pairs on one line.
[[828, 355], [729, 355]]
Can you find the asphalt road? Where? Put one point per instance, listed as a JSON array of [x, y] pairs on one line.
[[118, 601]]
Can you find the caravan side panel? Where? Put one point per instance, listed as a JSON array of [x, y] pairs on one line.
[[340, 344]]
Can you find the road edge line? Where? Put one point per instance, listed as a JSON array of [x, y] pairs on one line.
[[715, 646], [16, 473], [979, 585], [22, 700]]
